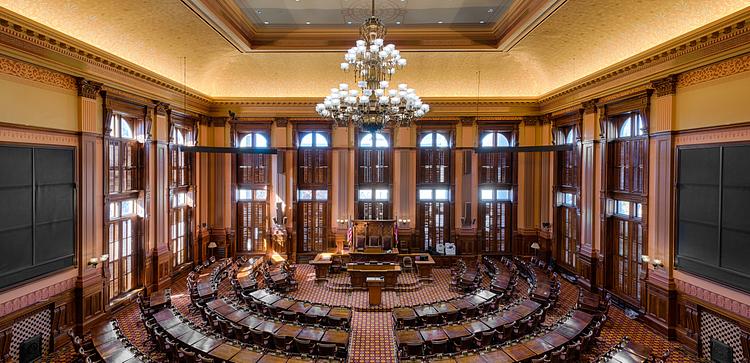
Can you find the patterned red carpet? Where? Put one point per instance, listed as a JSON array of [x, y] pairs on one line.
[[372, 329]]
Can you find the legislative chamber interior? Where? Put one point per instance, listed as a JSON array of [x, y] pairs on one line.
[[537, 181]]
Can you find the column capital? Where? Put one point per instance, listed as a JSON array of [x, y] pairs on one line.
[[467, 120], [589, 106], [665, 86], [281, 121], [88, 88]]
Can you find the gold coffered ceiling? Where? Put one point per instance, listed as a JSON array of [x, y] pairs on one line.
[[580, 38]]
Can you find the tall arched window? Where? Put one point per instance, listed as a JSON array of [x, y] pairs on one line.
[[434, 188], [626, 162], [313, 181], [253, 180], [180, 188], [495, 207], [374, 176], [123, 157], [567, 191]]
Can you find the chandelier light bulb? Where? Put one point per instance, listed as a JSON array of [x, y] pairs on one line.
[[371, 105]]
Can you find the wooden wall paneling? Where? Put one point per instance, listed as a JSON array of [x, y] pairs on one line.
[[687, 329]]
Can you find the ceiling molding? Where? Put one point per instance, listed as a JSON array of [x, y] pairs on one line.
[[440, 107], [719, 40], [521, 20], [27, 41], [37, 44], [225, 18], [232, 24]]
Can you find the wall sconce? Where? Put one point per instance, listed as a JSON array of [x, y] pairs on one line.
[[657, 263], [342, 221], [645, 259], [94, 261], [404, 221]]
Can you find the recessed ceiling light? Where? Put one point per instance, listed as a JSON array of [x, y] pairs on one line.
[[307, 22], [265, 22]]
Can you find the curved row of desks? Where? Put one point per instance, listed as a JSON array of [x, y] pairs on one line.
[[273, 304], [566, 332], [112, 346], [469, 305], [627, 351], [508, 317], [217, 348], [249, 321]]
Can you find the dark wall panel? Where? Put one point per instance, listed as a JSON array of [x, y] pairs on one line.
[[713, 231], [37, 223]]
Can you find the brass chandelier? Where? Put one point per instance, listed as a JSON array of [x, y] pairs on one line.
[[373, 104]]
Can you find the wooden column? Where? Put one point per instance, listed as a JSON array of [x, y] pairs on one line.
[[89, 284], [588, 255], [157, 197], [661, 292]]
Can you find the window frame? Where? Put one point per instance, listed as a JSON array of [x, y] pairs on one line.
[[496, 173], [374, 173], [435, 171]]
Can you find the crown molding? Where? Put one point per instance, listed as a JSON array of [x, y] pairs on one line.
[[236, 28], [55, 59], [720, 40], [440, 106], [28, 41]]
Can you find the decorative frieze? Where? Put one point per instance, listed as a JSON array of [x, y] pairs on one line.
[[714, 71], [42, 294], [726, 303], [35, 73]]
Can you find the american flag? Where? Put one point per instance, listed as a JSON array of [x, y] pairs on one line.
[[395, 231], [350, 234]]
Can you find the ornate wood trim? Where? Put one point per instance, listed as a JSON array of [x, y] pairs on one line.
[[36, 296], [726, 35], [87, 88], [665, 86], [714, 71], [36, 73]]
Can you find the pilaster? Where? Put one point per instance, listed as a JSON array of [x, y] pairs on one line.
[[661, 292], [89, 288]]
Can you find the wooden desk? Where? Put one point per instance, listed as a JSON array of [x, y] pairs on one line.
[[375, 254], [311, 333], [519, 352], [225, 352], [246, 355], [424, 267], [431, 334], [359, 272], [404, 337], [289, 330], [338, 337], [455, 332]]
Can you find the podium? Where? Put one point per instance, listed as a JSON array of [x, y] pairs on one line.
[[375, 287]]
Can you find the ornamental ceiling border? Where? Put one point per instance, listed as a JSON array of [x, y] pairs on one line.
[[32, 72], [714, 41], [720, 34], [725, 68], [22, 35]]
